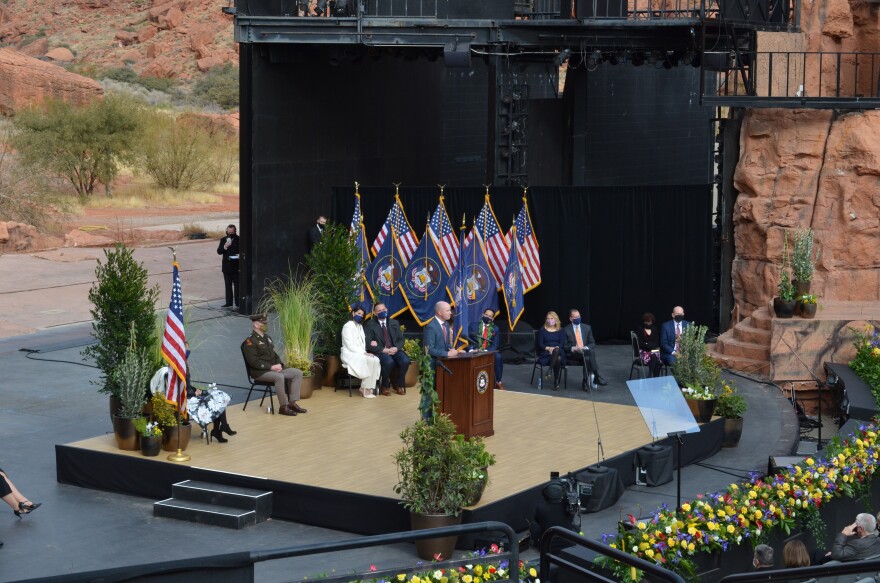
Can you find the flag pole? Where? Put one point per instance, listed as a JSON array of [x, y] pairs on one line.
[[179, 456]]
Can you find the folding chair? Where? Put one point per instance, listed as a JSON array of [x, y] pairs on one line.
[[268, 387], [636, 357], [536, 365]]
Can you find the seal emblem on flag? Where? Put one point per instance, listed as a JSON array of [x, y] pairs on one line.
[[422, 276]]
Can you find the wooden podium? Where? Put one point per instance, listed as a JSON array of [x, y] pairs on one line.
[[467, 392]]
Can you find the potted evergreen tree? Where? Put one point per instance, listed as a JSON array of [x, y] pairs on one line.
[[132, 379], [120, 299], [802, 260], [784, 304], [333, 264], [696, 372]]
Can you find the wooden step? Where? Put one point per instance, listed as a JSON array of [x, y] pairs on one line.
[[730, 346], [745, 332]]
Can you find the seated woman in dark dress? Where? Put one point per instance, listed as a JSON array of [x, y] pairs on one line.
[[649, 344], [551, 344], [18, 501]]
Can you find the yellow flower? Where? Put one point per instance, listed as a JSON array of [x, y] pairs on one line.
[[478, 570], [415, 579], [671, 542], [532, 572], [686, 507], [613, 545], [692, 531], [643, 546], [734, 487], [650, 553], [401, 577], [809, 461], [642, 526], [691, 546], [467, 579], [730, 528]]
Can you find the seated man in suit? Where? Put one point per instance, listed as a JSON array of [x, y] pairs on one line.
[[385, 340], [669, 333], [581, 345], [857, 541], [438, 335], [483, 335]]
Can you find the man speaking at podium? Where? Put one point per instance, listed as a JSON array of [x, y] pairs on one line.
[[438, 333]]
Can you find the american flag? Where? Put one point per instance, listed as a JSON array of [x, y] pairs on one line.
[[174, 345], [529, 257], [357, 231], [406, 238], [444, 237], [489, 232]]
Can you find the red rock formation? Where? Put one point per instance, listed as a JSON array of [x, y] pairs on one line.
[[25, 80], [60, 54]]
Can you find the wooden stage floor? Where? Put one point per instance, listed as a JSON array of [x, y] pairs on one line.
[[347, 443]]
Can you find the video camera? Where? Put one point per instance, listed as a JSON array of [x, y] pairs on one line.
[[567, 492]]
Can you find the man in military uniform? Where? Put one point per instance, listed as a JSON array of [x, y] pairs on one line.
[[265, 365]]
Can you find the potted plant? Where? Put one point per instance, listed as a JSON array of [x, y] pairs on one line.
[[731, 406], [802, 260], [475, 449], [696, 372], [120, 299], [166, 415], [333, 263], [131, 378], [151, 436], [435, 473], [808, 304], [296, 302], [412, 347], [784, 304]]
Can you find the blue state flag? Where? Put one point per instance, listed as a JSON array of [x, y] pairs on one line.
[[512, 286], [473, 288], [385, 276], [424, 281], [363, 295]]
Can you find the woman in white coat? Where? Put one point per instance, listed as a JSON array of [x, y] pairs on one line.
[[360, 363]]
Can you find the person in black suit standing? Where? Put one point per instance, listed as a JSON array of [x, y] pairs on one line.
[[315, 233], [582, 346], [670, 333], [385, 340], [228, 248]]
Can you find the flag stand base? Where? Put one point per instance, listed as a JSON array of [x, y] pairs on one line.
[[179, 457]]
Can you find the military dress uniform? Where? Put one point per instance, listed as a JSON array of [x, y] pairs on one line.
[[259, 352]]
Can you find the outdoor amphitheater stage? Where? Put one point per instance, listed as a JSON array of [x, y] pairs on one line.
[[333, 467]]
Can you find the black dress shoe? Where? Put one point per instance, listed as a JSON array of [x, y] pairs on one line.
[[218, 435], [228, 430], [297, 408], [601, 380], [287, 410]]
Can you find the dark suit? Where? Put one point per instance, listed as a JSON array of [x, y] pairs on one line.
[[667, 340], [854, 548], [314, 235], [373, 333], [587, 356], [435, 341], [229, 267], [476, 341]]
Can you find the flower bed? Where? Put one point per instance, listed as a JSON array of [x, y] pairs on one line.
[[480, 570], [866, 363], [750, 511]]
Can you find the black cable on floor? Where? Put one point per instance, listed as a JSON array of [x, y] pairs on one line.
[[717, 469], [29, 354]]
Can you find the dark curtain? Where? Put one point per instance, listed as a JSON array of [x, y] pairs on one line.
[[611, 252]]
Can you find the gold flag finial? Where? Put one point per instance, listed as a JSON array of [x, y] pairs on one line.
[[463, 219], [397, 188], [487, 190], [442, 186], [525, 192], [173, 254], [357, 188]]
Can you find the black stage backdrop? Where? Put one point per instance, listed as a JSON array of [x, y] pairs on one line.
[[612, 252]]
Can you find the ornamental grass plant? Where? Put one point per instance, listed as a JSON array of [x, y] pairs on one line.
[[296, 302]]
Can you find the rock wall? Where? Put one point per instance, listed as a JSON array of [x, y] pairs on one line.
[[25, 80], [813, 168]]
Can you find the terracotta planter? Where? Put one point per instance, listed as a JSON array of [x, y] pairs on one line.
[[412, 374], [428, 548], [169, 437], [783, 308], [332, 365], [307, 387], [125, 434], [733, 429], [151, 445], [702, 409], [809, 310]]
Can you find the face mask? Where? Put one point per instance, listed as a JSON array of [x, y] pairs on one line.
[[576, 321], [647, 324], [487, 320], [358, 318], [383, 314], [678, 317]]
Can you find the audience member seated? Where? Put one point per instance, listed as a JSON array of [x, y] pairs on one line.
[[794, 554], [581, 346], [551, 347], [649, 344], [483, 335], [16, 500], [265, 365], [669, 334], [763, 557], [856, 541], [385, 340], [360, 363]]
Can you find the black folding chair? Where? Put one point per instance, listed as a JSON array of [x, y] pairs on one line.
[[536, 365], [636, 357], [267, 390]]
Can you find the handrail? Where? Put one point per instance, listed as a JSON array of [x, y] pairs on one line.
[[244, 559], [547, 557], [804, 573]]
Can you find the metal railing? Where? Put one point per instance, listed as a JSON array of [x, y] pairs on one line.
[[238, 567], [796, 77], [867, 568]]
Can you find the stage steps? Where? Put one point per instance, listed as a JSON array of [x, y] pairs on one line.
[[746, 347], [215, 504]]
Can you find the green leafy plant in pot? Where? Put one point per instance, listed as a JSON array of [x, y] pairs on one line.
[[334, 264], [166, 415], [132, 378], [732, 407], [696, 372], [120, 299], [802, 260], [475, 449], [151, 436], [435, 473], [296, 301], [412, 347], [784, 304]]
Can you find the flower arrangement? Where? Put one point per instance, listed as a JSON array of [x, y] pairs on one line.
[[412, 347], [164, 413], [730, 405], [147, 428], [866, 363], [808, 299], [697, 392], [749, 510]]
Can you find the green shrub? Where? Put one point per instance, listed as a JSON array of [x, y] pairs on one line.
[[220, 86]]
